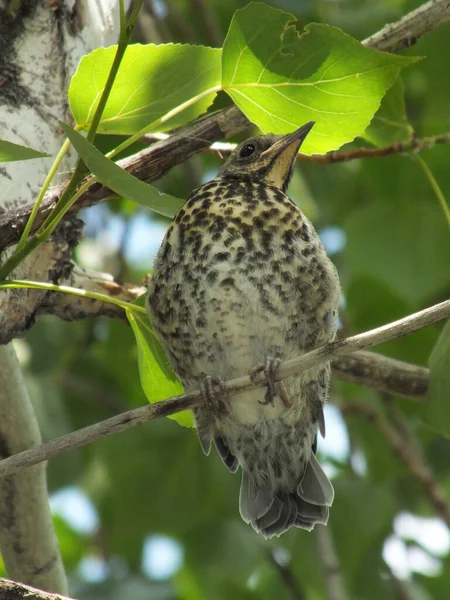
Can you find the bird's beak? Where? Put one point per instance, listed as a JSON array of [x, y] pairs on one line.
[[289, 143], [282, 155]]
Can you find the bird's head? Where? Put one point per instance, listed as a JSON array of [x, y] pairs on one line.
[[266, 158]]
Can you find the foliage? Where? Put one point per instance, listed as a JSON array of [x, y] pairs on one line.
[[393, 260]]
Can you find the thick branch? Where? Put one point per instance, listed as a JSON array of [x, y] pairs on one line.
[[149, 165], [383, 374], [28, 542], [11, 590], [152, 163], [408, 31], [137, 416], [74, 308]]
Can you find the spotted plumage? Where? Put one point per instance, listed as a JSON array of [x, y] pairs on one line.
[[242, 279]]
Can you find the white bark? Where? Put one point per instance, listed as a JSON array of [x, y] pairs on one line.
[[40, 47], [28, 542]]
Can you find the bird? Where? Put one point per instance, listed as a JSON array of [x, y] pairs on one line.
[[241, 283]]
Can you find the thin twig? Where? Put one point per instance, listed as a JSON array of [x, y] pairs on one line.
[[407, 451], [364, 368], [286, 576], [415, 144], [366, 340], [334, 580], [137, 416]]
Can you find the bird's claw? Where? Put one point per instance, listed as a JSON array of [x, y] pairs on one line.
[[274, 389], [215, 396]]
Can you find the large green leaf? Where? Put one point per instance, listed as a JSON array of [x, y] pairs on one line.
[[437, 414], [281, 79], [117, 179], [390, 124], [157, 377], [10, 152], [151, 81]]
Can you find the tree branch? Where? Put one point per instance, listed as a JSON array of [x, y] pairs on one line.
[[28, 542], [74, 308], [286, 576], [407, 451], [11, 590], [413, 26], [334, 581], [148, 165], [364, 368], [415, 144], [383, 374], [295, 366], [152, 163]]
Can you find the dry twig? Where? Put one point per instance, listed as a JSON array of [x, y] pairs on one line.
[[406, 449], [286, 576], [334, 580], [295, 366]]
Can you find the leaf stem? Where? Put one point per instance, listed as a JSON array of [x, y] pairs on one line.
[[172, 113], [51, 174], [40, 285], [80, 170], [435, 186]]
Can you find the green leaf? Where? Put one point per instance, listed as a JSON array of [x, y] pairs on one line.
[[390, 124], [437, 414], [281, 79], [10, 152], [118, 180], [151, 81], [157, 377], [404, 245]]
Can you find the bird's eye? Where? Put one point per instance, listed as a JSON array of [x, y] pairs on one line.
[[247, 150]]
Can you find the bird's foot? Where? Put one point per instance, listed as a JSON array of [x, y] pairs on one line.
[[266, 372], [215, 396]]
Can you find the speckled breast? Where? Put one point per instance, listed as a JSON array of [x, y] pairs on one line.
[[241, 275]]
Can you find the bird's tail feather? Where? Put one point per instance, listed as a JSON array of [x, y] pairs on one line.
[[274, 512]]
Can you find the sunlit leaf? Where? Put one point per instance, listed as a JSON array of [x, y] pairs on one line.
[[281, 79], [390, 123], [157, 377], [152, 81], [119, 181], [10, 152], [437, 414]]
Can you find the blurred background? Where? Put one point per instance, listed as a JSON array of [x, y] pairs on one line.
[[144, 514]]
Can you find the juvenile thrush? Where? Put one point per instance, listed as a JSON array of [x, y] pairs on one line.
[[242, 282]]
